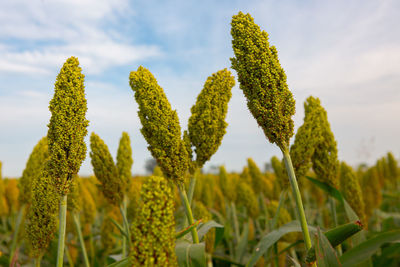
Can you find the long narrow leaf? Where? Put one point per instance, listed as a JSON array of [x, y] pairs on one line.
[[268, 240], [120, 228], [325, 253], [276, 216], [368, 248], [336, 236], [203, 229], [190, 255], [185, 231], [241, 247], [122, 263]]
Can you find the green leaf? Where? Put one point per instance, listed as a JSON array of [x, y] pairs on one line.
[[325, 253], [242, 245], [190, 255], [122, 263], [368, 248], [120, 228], [203, 229], [336, 237], [276, 216], [268, 240], [185, 231], [333, 192]]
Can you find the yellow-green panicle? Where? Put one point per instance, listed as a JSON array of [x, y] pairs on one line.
[[350, 186], [124, 160], [307, 136], [280, 173], [160, 123], [262, 80], [153, 230], [325, 161], [105, 170], [11, 194], [4, 209], [256, 176], [33, 170], [42, 214], [200, 211], [207, 125], [227, 184], [393, 169], [67, 127], [247, 198]]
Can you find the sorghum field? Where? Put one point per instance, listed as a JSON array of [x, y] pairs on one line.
[[308, 208]]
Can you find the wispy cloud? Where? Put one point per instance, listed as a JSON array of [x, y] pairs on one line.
[[41, 34], [346, 53]]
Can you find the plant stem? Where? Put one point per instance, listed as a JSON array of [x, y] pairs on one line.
[[297, 197], [276, 258], [37, 261], [69, 258], [188, 211], [235, 223], [192, 185], [17, 226], [335, 221], [126, 243], [61, 233], [79, 231]]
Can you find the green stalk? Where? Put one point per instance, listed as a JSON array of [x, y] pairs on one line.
[[61, 233], [334, 216], [79, 231], [17, 227], [125, 243], [188, 211], [297, 197], [37, 261], [276, 259], [235, 222], [192, 185], [91, 248], [70, 261]]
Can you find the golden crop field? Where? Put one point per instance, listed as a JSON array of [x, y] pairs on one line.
[[306, 208]]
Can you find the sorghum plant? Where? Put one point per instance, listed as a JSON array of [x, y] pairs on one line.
[[67, 130], [263, 82], [153, 230]]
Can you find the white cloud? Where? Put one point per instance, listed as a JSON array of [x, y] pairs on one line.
[[60, 29]]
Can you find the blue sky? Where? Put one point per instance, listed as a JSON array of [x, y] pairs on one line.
[[347, 53]]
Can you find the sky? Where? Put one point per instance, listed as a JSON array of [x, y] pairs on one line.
[[347, 53]]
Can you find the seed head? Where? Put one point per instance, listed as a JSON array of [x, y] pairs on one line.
[[124, 160], [105, 170], [42, 214], [67, 127], [207, 125], [11, 194], [201, 212], [153, 230], [262, 80], [350, 187], [247, 198], [160, 123], [227, 184], [33, 169], [256, 176]]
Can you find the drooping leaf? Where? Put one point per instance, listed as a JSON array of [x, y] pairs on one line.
[[190, 255], [368, 248], [268, 240], [336, 236], [122, 263], [325, 253]]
